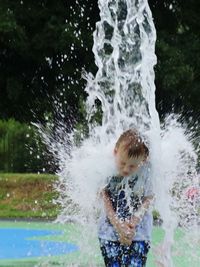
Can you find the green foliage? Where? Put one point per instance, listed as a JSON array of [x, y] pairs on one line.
[[21, 149], [44, 46], [11, 133], [178, 46], [156, 215]]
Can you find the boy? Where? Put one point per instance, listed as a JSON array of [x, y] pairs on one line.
[[125, 228]]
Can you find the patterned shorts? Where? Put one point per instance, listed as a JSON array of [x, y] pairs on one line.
[[117, 255]]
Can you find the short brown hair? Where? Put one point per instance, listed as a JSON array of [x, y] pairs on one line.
[[133, 143]]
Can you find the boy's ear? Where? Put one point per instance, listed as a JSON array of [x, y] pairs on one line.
[[145, 159], [115, 151]]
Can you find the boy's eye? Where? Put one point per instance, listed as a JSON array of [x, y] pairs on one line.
[[132, 166], [123, 163]]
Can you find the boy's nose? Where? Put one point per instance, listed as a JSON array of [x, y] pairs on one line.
[[125, 170]]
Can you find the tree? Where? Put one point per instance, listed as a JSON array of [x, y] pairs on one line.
[[178, 47], [44, 46]]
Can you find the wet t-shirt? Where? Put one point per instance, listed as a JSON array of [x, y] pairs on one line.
[[127, 195]]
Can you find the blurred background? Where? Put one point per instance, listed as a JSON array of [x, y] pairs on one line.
[[45, 46]]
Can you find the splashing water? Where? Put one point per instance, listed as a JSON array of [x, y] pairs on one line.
[[124, 43], [177, 175], [124, 49]]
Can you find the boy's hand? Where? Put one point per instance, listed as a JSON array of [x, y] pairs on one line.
[[134, 221], [126, 231], [126, 241]]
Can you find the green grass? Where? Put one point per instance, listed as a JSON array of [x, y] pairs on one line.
[[28, 196]]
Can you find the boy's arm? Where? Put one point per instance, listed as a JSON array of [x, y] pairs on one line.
[[139, 214], [124, 229], [109, 208]]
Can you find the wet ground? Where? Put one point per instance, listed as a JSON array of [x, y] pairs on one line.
[[28, 244]]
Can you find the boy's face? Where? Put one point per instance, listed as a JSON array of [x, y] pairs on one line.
[[126, 165]]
